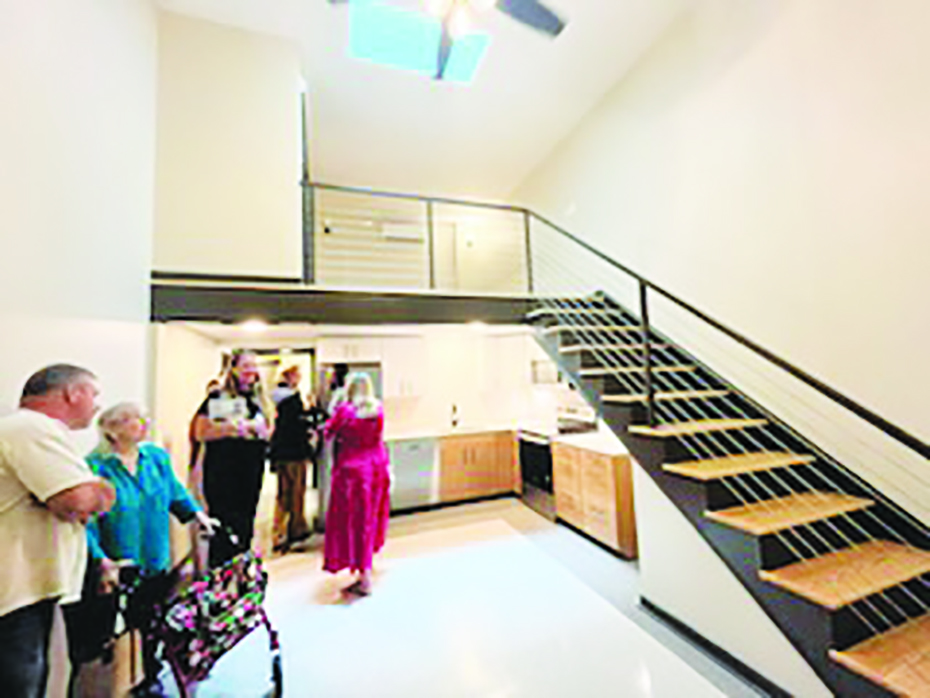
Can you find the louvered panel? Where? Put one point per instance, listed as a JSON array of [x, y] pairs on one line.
[[355, 247]]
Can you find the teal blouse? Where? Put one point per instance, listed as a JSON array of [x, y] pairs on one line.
[[138, 527]]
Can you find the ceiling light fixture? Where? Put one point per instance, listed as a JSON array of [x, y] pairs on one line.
[[254, 326]]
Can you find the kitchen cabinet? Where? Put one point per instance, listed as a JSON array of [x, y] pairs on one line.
[[477, 465], [332, 350], [404, 365], [594, 493]]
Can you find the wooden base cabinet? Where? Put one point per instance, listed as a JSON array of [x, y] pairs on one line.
[[594, 493], [476, 465]]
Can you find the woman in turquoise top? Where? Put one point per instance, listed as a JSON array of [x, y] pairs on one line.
[[137, 528]]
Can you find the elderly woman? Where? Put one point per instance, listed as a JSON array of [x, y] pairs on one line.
[[137, 528], [359, 503]]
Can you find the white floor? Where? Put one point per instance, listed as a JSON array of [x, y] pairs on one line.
[[481, 601]]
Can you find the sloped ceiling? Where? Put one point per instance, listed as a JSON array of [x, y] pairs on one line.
[[380, 127]]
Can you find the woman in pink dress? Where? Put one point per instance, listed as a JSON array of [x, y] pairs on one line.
[[359, 500]]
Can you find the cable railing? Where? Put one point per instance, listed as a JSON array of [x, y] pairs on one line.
[[746, 489], [364, 238], [637, 359]]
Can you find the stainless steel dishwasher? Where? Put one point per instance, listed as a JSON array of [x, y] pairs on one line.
[[415, 473]]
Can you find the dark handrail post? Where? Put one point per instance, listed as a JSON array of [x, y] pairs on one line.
[[647, 354], [529, 251], [431, 232], [309, 261]]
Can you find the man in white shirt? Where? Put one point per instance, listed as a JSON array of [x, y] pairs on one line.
[[47, 494]]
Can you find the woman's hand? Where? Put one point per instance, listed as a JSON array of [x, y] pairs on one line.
[[109, 574], [260, 428], [207, 525]]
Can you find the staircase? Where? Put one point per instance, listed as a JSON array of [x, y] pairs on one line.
[[840, 569]]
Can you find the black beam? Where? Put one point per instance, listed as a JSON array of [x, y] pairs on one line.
[[231, 304]]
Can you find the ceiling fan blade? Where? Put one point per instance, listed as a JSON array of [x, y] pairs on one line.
[[533, 14], [445, 51]]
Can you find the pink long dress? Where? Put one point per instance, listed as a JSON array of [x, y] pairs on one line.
[[359, 500]]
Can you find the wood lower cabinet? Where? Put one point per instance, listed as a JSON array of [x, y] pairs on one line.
[[476, 465], [594, 493]]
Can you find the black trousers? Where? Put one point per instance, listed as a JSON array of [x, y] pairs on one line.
[[232, 488], [24, 636]]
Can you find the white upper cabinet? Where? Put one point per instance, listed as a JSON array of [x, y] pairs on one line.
[[404, 366], [331, 350]]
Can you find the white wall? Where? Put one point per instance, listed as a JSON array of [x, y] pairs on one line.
[[77, 142], [674, 561], [184, 362], [77, 146], [228, 199], [76, 173], [768, 162]]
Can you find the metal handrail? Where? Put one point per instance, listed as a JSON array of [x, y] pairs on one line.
[[888, 428], [876, 420], [413, 197]]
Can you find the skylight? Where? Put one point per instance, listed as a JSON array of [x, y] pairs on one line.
[[409, 40]]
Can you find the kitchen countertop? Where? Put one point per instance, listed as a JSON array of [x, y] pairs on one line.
[[465, 431], [602, 441]]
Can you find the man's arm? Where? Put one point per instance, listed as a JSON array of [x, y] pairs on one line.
[[81, 502]]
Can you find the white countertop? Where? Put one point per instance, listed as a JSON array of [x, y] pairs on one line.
[[464, 431], [603, 441]]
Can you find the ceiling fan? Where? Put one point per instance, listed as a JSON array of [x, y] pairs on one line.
[[531, 13]]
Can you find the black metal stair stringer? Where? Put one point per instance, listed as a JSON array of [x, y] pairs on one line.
[[810, 628]]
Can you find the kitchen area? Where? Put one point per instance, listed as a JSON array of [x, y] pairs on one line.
[[472, 412]]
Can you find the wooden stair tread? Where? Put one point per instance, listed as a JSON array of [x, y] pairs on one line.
[[773, 515], [898, 660], [540, 312], [592, 328], [716, 468], [577, 348], [594, 372], [666, 396], [697, 427], [839, 578]]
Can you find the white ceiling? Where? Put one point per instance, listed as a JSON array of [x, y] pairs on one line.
[[384, 128]]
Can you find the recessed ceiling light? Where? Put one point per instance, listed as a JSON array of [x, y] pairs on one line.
[[254, 326]]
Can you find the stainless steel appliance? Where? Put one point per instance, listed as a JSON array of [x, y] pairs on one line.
[[536, 471]]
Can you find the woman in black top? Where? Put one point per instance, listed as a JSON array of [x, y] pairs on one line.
[[234, 433]]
